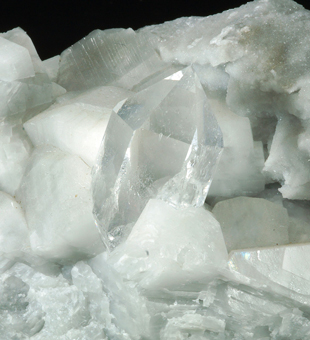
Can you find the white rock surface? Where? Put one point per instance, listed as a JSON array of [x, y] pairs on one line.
[[252, 222], [169, 276], [15, 148], [250, 62], [14, 233], [60, 222], [51, 67], [15, 61], [105, 97], [286, 162], [278, 269], [169, 248], [20, 37], [240, 167], [76, 128]]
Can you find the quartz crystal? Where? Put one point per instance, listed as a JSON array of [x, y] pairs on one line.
[[167, 146], [154, 184]]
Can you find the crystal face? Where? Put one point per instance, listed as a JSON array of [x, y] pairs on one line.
[[154, 184], [162, 142], [116, 56], [252, 222]]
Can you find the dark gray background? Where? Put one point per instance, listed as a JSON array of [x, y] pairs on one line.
[[55, 25]]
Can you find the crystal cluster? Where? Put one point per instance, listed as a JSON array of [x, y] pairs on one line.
[[155, 184]]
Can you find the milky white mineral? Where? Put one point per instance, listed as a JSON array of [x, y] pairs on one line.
[[68, 229], [252, 222], [166, 240], [154, 184]]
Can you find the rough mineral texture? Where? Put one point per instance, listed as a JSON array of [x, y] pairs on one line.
[[155, 184]]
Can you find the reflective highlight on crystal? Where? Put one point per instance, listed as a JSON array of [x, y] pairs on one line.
[[163, 142]]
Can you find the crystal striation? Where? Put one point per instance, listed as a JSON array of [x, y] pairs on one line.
[[154, 184]]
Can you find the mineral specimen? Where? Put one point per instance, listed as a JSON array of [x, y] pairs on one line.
[[154, 184], [162, 142]]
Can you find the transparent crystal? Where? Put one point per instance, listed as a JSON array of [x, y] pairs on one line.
[[278, 269], [116, 56], [163, 142]]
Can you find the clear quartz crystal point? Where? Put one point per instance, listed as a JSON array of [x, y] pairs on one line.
[[163, 142]]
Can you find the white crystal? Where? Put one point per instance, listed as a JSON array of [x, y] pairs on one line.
[[21, 38], [15, 61], [278, 269], [169, 248], [284, 151], [127, 306], [105, 97], [168, 98], [239, 171], [75, 128], [14, 234], [61, 225], [15, 148], [252, 222], [51, 67]]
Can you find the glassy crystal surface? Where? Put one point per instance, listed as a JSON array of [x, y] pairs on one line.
[[163, 142], [280, 269], [117, 56], [167, 99]]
